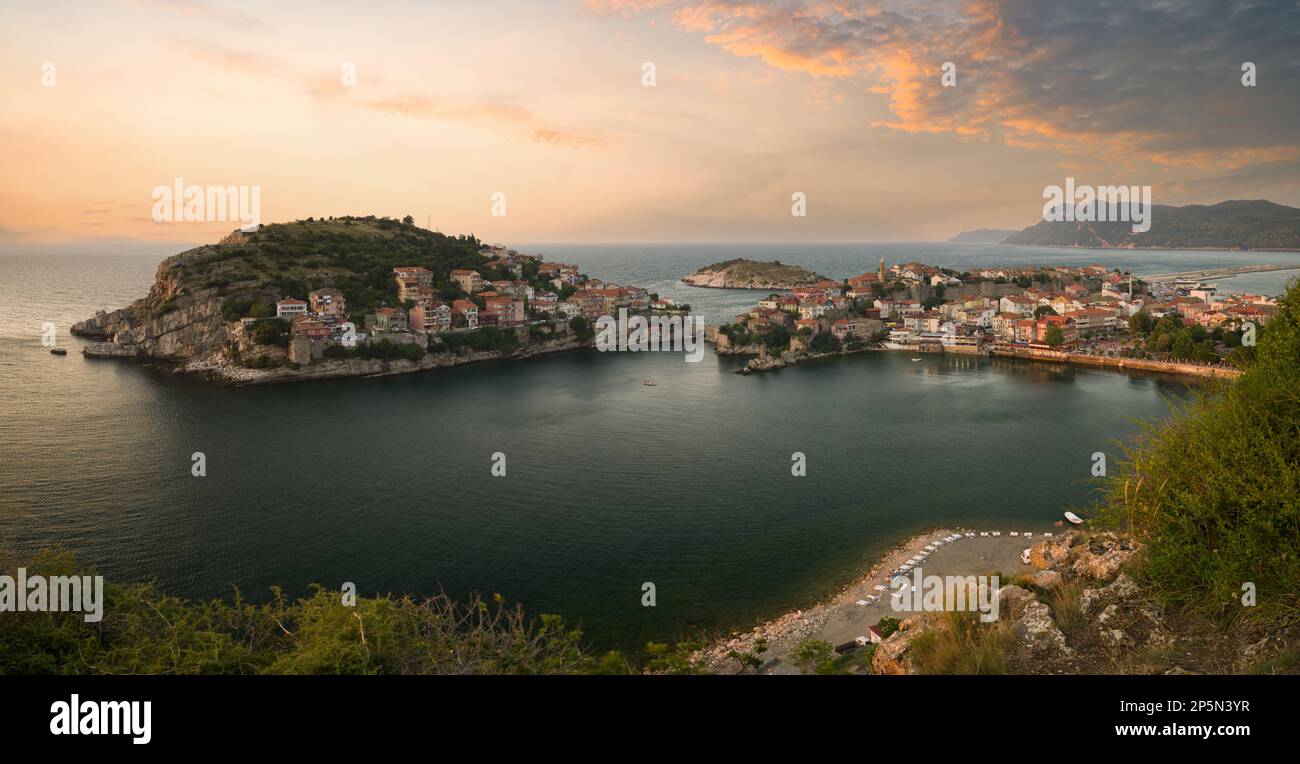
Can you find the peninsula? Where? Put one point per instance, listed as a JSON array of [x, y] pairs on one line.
[[355, 296], [742, 273]]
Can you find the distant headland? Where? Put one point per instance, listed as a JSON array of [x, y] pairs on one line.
[[1232, 225], [984, 236]]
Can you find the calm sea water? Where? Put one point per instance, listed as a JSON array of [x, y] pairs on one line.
[[387, 483]]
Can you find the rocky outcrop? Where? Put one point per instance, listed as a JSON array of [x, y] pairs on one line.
[[190, 327], [1097, 556], [766, 363], [1031, 623], [1124, 618], [1102, 556], [893, 655], [1046, 579], [1037, 633], [175, 321]]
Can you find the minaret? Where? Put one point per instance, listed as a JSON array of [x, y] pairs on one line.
[[882, 271]]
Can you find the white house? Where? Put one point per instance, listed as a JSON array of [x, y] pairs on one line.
[[289, 308]]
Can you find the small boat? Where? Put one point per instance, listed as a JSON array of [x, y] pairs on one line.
[[648, 382], [1074, 518], [916, 359], [58, 351]]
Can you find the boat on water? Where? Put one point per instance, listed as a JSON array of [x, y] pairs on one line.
[[648, 382], [58, 351], [1074, 518], [916, 359]]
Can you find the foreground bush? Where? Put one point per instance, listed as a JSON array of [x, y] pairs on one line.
[[1214, 492], [146, 632]]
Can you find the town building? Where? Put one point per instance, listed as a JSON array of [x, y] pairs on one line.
[[469, 281], [328, 302], [467, 310], [289, 308]]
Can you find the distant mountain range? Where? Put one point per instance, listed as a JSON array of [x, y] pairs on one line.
[[1238, 224], [984, 235]]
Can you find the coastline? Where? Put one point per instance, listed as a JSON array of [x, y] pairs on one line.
[[830, 614], [788, 629], [1150, 248], [760, 288], [239, 376], [772, 363]]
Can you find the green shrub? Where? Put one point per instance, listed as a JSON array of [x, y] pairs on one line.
[[144, 631], [1214, 492], [825, 342], [272, 331]]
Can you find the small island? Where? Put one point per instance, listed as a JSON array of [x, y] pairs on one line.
[[742, 273]]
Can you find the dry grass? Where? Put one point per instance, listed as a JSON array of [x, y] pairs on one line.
[[959, 643]]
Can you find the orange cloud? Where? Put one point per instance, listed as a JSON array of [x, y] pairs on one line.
[[1033, 74]]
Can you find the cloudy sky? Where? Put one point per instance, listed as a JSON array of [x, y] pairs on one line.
[[545, 101]]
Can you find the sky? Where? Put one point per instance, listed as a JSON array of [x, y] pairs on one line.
[[548, 103]]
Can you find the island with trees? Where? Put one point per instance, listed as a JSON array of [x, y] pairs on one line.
[[741, 273]]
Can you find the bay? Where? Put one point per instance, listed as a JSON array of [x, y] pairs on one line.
[[386, 482]]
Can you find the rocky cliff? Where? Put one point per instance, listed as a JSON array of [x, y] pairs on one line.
[[175, 321]]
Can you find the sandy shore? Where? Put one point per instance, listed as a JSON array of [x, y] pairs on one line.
[[841, 618]]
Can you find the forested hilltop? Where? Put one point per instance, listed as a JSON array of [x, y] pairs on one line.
[[353, 254]]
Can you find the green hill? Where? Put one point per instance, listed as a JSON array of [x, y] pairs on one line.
[[354, 254], [1255, 224]]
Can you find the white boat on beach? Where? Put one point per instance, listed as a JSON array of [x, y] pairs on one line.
[[1074, 518]]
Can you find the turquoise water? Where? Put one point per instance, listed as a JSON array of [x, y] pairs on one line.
[[609, 484]]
